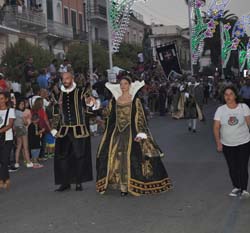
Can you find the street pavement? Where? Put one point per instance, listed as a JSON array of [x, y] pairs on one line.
[[197, 204]]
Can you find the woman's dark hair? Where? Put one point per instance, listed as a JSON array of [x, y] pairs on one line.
[[127, 79], [7, 96], [38, 104], [235, 91], [19, 101]]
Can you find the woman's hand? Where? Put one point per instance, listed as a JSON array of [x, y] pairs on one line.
[[219, 147], [138, 139], [140, 136]]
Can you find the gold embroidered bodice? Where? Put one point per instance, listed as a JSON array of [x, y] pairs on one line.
[[123, 116]]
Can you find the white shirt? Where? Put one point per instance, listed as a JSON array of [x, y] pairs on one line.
[[9, 133], [234, 129]]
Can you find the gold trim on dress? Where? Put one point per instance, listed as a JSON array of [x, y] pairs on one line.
[[83, 134]]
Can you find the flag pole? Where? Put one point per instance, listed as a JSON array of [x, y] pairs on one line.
[[109, 37], [190, 33], [90, 46]]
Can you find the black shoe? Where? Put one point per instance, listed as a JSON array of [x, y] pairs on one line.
[[13, 169], [189, 129], [63, 188], [79, 187], [194, 130], [124, 194]]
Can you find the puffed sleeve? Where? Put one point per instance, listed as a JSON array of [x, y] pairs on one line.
[[148, 145]]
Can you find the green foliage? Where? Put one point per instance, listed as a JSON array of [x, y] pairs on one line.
[[127, 56], [79, 57], [17, 54]]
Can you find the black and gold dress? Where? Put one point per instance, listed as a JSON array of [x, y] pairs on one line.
[[124, 164]]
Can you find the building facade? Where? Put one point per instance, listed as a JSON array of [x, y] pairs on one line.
[[136, 29], [52, 24], [98, 16], [162, 35], [19, 22]]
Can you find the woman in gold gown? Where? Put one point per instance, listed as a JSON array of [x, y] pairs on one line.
[[128, 158]]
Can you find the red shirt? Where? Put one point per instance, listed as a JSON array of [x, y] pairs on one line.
[[3, 84], [42, 119]]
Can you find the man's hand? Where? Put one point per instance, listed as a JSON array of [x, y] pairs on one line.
[[90, 100]]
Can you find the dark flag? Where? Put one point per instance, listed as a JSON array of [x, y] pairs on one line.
[[168, 57]]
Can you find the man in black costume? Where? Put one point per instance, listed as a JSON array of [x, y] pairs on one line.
[[72, 164]]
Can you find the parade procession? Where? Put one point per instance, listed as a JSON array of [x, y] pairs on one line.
[[126, 116]]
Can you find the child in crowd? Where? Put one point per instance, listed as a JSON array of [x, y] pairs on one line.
[[43, 123], [50, 145], [35, 134]]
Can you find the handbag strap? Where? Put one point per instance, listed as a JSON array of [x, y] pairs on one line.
[[6, 117]]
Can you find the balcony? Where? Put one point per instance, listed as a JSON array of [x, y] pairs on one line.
[[80, 35], [59, 30], [99, 13], [23, 19]]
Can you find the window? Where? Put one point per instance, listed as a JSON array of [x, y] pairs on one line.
[[49, 9], [66, 16], [80, 23], [96, 34], [73, 21]]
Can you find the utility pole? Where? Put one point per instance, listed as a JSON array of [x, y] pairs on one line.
[[190, 3], [109, 37], [90, 39]]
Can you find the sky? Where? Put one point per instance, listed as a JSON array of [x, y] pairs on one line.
[[175, 12]]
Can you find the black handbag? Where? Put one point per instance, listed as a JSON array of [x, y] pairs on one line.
[[2, 135]]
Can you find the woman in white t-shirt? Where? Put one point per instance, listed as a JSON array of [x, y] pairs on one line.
[[7, 116], [231, 131]]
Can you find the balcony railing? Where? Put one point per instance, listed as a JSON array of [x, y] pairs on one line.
[[61, 30], [23, 18], [80, 35], [99, 12]]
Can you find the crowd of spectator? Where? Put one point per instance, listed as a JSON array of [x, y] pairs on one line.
[[35, 102]]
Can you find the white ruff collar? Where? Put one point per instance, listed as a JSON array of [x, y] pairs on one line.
[[63, 89], [117, 92]]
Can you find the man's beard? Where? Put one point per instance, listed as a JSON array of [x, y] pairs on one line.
[[68, 85]]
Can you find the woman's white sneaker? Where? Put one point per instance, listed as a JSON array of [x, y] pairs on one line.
[[235, 192], [245, 195], [17, 165], [29, 165]]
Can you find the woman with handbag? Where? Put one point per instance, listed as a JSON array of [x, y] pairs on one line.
[[7, 116], [231, 131]]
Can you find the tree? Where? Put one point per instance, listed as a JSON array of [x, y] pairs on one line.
[[17, 54], [78, 55], [127, 56]]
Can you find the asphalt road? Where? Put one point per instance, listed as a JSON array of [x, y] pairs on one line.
[[198, 203]]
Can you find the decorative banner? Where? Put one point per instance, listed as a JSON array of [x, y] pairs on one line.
[[242, 57], [168, 57], [248, 55], [217, 8], [119, 14], [200, 30], [238, 32]]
